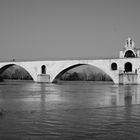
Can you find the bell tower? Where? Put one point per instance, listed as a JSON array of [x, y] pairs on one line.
[[129, 50], [129, 44]]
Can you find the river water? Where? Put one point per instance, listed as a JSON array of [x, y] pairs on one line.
[[69, 111]]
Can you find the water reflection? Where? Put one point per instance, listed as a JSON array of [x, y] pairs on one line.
[[69, 111], [128, 100], [98, 95], [91, 95], [129, 94], [113, 100]]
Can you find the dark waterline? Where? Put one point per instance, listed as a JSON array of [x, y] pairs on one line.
[[69, 111]]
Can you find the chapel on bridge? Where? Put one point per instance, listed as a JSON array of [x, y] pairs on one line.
[[129, 50]]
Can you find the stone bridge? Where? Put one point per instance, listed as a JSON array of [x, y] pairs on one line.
[[125, 69]]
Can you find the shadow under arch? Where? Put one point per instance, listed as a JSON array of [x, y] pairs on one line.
[[5, 67], [56, 78]]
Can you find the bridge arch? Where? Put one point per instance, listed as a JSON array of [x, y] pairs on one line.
[[6, 66], [60, 72]]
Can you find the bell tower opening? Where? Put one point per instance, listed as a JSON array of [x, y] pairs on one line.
[[129, 53]]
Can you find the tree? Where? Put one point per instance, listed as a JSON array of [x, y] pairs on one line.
[[16, 72]]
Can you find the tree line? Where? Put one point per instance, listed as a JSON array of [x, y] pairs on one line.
[[16, 72], [85, 77]]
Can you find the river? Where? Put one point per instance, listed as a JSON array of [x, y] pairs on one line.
[[69, 111]]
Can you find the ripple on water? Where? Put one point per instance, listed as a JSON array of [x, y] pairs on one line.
[[70, 111]]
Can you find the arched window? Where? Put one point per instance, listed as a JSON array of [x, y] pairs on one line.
[[43, 69], [114, 66], [128, 67], [129, 53]]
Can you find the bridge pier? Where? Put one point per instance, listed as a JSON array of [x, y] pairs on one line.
[[43, 78], [128, 78]]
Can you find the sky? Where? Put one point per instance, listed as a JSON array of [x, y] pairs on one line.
[[67, 29]]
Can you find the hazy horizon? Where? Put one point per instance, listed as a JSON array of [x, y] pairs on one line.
[[67, 29]]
